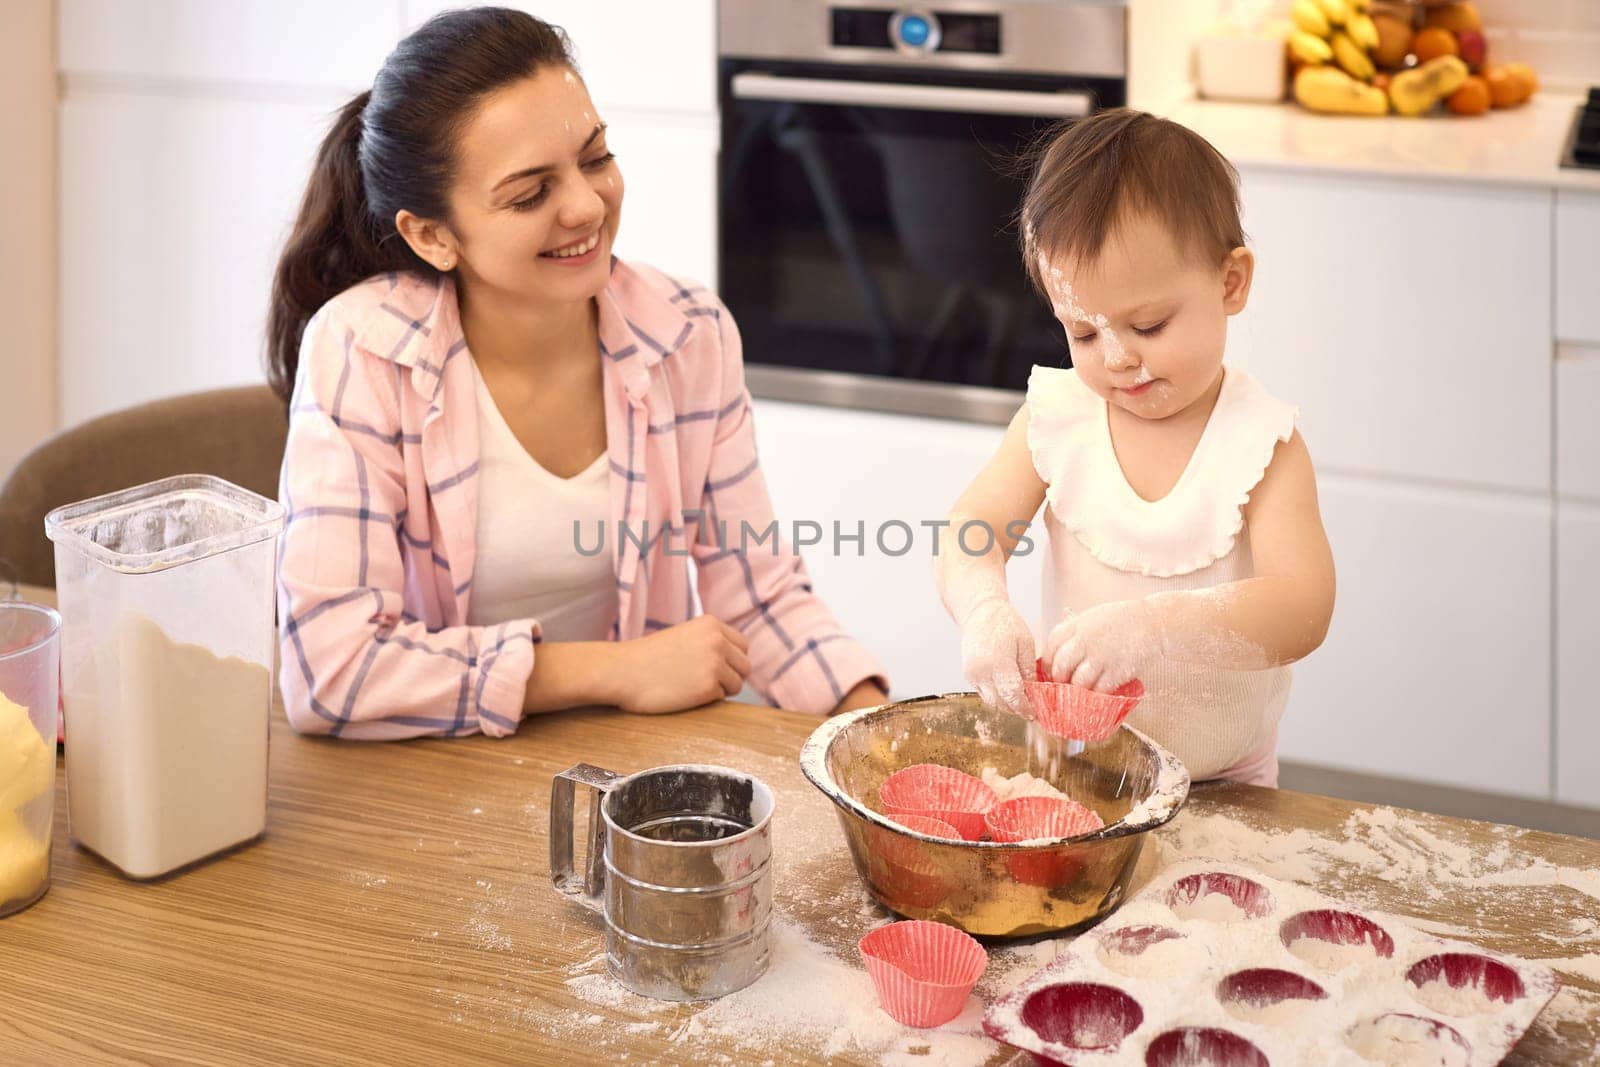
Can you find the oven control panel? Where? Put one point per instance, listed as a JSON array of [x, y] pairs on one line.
[[915, 30]]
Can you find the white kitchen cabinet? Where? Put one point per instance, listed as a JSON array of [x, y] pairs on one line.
[[633, 53], [259, 43], [827, 465], [1577, 236], [1437, 666], [1577, 664], [1410, 320], [173, 211], [1578, 421], [669, 207]]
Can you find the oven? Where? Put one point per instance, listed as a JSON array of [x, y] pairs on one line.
[[868, 183]]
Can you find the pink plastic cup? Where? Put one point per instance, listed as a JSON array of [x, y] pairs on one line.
[[1077, 712], [901, 865], [937, 792], [923, 971], [1029, 818]]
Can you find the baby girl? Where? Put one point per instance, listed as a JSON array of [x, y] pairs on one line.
[[1186, 548]]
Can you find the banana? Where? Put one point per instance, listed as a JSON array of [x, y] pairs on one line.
[[1361, 7], [1309, 48], [1363, 31], [1350, 56], [1336, 10], [1332, 90], [1309, 18]]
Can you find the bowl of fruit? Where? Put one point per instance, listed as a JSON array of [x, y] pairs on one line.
[[1360, 57]]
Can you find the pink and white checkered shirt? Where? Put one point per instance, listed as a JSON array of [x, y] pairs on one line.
[[380, 482]]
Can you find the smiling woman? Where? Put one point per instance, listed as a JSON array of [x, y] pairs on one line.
[[472, 378]]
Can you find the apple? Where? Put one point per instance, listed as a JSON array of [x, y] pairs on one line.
[[1474, 47]]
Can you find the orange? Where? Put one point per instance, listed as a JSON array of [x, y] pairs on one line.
[[1525, 74], [1503, 88], [1472, 98], [1458, 18], [1433, 42]]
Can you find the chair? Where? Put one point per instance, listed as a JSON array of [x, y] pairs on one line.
[[237, 434]]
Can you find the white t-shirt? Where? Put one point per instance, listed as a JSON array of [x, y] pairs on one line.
[[1109, 544], [528, 562]]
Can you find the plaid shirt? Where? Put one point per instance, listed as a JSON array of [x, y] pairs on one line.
[[380, 483]]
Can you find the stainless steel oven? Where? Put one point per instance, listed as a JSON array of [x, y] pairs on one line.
[[867, 188]]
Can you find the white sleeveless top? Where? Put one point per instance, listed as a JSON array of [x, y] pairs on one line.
[[528, 564], [1108, 544]]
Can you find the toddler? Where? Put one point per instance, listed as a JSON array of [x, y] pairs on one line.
[[1186, 548]]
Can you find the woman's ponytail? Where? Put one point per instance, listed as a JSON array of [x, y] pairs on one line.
[[334, 245]]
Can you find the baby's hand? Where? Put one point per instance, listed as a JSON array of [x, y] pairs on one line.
[[997, 653], [1106, 646]]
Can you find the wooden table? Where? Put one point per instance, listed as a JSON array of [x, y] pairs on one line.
[[399, 910]]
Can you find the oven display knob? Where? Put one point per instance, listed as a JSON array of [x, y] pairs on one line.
[[914, 31]]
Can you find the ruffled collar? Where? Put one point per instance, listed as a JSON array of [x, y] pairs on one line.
[[1193, 525]]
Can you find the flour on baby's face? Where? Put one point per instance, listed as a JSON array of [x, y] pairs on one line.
[[1064, 302]]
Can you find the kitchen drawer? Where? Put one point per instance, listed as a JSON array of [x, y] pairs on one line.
[[1410, 320], [1578, 421], [1437, 666], [633, 53], [1577, 235], [1577, 665], [259, 42], [900, 467], [173, 211]]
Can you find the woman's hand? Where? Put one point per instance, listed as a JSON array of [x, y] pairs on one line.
[[997, 653], [683, 666], [1106, 646]]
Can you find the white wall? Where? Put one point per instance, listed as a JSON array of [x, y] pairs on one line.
[[27, 221], [187, 132]]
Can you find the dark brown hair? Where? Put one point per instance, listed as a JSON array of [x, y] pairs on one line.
[[394, 147], [1090, 176]]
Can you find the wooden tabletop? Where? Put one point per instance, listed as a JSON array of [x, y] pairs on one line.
[[399, 909]]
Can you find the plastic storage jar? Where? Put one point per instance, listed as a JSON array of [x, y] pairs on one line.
[[166, 595]]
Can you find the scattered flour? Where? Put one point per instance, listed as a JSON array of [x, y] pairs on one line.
[[1212, 907], [1275, 1013], [1164, 958], [811, 996], [1469, 999], [1407, 1041], [1331, 955]]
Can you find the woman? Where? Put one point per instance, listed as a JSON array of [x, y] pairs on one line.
[[480, 393]]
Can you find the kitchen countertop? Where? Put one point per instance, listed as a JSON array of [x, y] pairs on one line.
[[1519, 146], [399, 909]]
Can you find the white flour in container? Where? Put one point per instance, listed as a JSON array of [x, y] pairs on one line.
[[166, 751]]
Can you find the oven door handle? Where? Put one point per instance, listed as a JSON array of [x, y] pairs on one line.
[[752, 85]]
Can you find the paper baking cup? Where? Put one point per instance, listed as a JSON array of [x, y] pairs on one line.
[[1079, 712], [923, 971], [1030, 818], [937, 792]]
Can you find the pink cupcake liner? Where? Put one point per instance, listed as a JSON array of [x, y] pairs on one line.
[[937, 792], [923, 971], [1029, 818], [901, 865], [1077, 712]]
